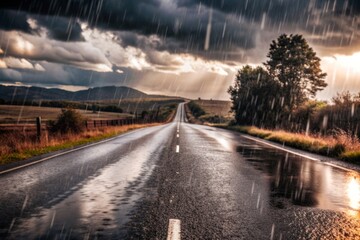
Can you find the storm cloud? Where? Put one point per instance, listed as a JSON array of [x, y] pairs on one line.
[[184, 22], [151, 37]]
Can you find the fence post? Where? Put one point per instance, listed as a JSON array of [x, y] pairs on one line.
[[38, 129]]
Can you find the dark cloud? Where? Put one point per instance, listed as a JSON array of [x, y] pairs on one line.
[[182, 27], [182, 24], [61, 28], [13, 20], [140, 39]]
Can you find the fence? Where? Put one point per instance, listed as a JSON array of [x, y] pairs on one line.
[[113, 122], [37, 125]]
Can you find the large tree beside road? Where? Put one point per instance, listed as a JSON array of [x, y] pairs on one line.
[[294, 64], [292, 75]]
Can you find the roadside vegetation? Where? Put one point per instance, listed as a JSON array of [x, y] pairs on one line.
[[277, 100], [17, 146], [69, 131], [210, 111], [340, 146], [195, 109]]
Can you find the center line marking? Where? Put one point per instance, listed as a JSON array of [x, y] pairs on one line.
[[177, 135], [177, 148], [174, 229]]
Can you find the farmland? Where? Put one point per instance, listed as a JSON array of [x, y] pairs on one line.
[[10, 114], [216, 107], [140, 104]]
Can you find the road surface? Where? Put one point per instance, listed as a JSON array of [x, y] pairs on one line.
[[214, 183]]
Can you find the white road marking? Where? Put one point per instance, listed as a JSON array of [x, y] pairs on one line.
[[177, 135], [174, 229], [177, 148]]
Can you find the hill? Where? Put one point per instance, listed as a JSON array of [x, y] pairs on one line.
[[15, 93]]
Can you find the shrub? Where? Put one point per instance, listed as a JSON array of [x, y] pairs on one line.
[[352, 156], [195, 109], [337, 150], [68, 121]]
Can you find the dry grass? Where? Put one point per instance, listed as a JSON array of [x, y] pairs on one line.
[[341, 145], [26, 114], [16, 146], [216, 107]]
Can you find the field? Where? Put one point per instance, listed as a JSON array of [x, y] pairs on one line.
[[138, 105], [19, 139], [11, 114], [216, 107]]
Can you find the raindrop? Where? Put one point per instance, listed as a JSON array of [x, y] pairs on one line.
[[208, 32], [272, 232], [52, 220], [12, 224], [325, 122], [24, 204], [263, 21], [258, 200], [224, 29]]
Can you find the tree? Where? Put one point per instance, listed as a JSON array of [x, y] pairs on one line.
[[68, 121], [254, 97], [195, 109], [294, 64]]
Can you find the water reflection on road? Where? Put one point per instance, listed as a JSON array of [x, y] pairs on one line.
[[305, 182], [100, 206]]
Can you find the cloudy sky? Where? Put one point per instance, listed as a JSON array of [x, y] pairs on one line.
[[190, 48]]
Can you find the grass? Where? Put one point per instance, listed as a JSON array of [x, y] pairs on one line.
[[214, 112], [17, 146], [351, 156], [340, 146], [216, 107], [138, 104]]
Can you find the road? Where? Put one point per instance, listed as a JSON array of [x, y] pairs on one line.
[[218, 184]]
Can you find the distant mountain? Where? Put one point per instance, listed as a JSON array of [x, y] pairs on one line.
[[10, 93]]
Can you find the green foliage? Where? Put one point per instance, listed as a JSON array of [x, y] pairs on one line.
[[107, 108], [165, 112], [68, 121], [294, 64], [195, 109], [278, 96], [161, 114], [343, 115], [254, 96], [212, 118]]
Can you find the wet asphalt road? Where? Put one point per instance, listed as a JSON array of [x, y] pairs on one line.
[[219, 184]]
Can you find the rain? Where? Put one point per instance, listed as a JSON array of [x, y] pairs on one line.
[[230, 119]]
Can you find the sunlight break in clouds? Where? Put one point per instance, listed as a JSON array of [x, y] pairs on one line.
[[125, 42]]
